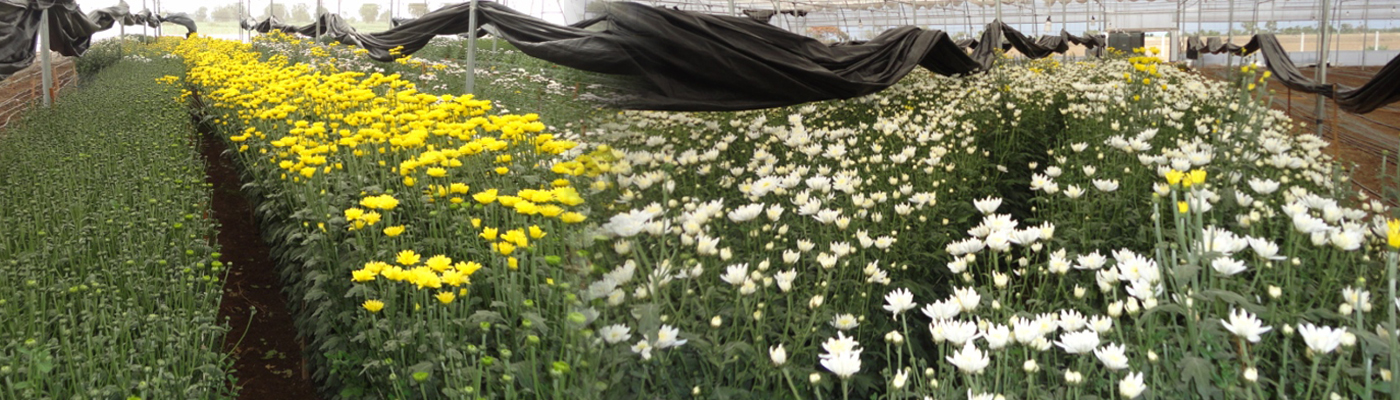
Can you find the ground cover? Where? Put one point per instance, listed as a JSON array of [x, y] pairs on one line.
[[112, 281], [1106, 229]]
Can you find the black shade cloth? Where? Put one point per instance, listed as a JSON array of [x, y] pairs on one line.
[[70, 31], [1381, 90], [694, 61]]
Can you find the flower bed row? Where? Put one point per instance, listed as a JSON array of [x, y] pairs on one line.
[[1110, 228], [112, 279]]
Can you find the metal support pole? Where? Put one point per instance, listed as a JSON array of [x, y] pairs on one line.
[[998, 10], [1321, 76], [143, 23], [731, 9], [1365, 30], [317, 14], [44, 61], [1230, 37], [471, 50]]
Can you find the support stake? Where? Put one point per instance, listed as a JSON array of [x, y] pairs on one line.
[[471, 49], [44, 62]]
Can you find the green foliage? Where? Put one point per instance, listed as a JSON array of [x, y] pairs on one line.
[[112, 282]]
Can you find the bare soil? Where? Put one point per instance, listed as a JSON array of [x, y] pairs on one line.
[[263, 341], [1358, 140]]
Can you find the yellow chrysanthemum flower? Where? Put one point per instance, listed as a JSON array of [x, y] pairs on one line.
[[446, 297], [1393, 233], [408, 258], [373, 305], [394, 231], [438, 263]]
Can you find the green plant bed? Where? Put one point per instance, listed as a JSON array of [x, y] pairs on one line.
[[111, 282]]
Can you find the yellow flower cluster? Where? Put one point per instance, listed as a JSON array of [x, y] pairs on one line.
[[1186, 179], [436, 272]]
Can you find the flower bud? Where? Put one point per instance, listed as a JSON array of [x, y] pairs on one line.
[[1030, 366]]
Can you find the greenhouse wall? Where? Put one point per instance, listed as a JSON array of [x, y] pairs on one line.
[[26, 87]]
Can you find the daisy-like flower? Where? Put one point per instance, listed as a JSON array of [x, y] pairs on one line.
[[844, 365], [1245, 325], [844, 322], [784, 279], [644, 348], [988, 205], [967, 298], [1106, 185], [778, 355], [899, 301], [941, 310], [666, 337], [1227, 266], [1078, 342], [735, 274], [1321, 339], [746, 213], [612, 334], [1132, 386], [956, 332], [969, 360], [839, 345], [1113, 356]]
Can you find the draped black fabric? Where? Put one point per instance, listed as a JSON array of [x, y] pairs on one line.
[[70, 32], [692, 61], [1383, 88]]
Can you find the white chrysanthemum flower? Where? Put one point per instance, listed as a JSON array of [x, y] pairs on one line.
[[1106, 185], [1071, 320], [667, 337], [735, 274], [1078, 342], [1245, 325], [1321, 339], [1263, 187], [613, 334], [967, 298], [1265, 249], [628, 224], [844, 365], [1113, 356], [1227, 266], [997, 336], [988, 205], [778, 355], [899, 301], [644, 348], [970, 359], [957, 332], [1132, 386], [1357, 298], [784, 279], [942, 310], [1090, 261], [844, 322], [746, 213]]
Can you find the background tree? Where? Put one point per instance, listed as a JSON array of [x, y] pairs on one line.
[[225, 13], [384, 17], [202, 14], [278, 10], [417, 9], [301, 13], [369, 12]]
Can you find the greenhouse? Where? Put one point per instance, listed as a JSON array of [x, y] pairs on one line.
[[699, 199]]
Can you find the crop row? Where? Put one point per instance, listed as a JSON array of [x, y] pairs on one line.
[[112, 280]]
